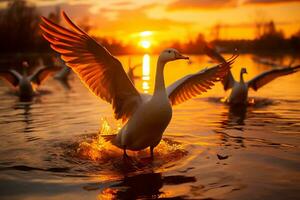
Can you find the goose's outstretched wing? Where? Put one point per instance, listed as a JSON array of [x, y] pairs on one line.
[[195, 84], [266, 77], [11, 76], [42, 74], [102, 73], [228, 80]]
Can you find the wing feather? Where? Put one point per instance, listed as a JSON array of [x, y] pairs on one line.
[[266, 77], [102, 73], [11, 76], [228, 80], [195, 84], [42, 74]]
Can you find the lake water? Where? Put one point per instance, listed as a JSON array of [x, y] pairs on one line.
[[51, 149]]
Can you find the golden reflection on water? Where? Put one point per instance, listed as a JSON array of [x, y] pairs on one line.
[[146, 73], [99, 148]]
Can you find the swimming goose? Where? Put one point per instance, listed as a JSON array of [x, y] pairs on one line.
[[130, 72], [239, 92], [145, 117], [64, 72], [24, 83]]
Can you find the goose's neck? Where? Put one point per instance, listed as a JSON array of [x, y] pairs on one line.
[[159, 87], [241, 77], [24, 72]]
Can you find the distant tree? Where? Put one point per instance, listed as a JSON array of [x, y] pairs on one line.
[[271, 39], [259, 21], [294, 42], [216, 31], [55, 15], [19, 27]]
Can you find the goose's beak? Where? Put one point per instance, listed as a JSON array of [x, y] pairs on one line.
[[179, 56]]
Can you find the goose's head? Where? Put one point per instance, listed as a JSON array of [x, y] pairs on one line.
[[25, 64], [244, 71], [25, 67], [169, 55]]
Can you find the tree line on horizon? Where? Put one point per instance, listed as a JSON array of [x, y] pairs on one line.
[[20, 33]]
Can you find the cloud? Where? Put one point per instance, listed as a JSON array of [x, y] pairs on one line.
[[76, 10], [268, 1], [135, 20], [200, 4], [218, 4], [117, 22]]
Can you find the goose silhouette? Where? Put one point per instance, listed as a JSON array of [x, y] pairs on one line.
[[24, 84]]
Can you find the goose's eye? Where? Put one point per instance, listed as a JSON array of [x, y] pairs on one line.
[[169, 51]]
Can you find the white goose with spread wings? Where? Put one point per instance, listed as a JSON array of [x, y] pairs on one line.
[[23, 83], [239, 92], [145, 116]]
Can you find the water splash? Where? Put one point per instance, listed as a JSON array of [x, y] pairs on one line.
[[99, 148]]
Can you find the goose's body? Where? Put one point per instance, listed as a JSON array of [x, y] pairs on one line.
[[145, 117], [23, 83], [25, 88], [146, 126], [239, 92]]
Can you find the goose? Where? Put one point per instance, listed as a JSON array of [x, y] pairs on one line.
[[63, 73], [24, 83], [144, 116], [239, 92]]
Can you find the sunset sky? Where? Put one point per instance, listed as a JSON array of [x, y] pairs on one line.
[[176, 19]]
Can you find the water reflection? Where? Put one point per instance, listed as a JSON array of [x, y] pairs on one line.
[[25, 107], [237, 114], [146, 73], [64, 83], [145, 186], [220, 145]]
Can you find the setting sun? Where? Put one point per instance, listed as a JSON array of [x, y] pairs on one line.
[[145, 44]]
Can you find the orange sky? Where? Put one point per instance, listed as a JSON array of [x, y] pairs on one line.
[[176, 19]]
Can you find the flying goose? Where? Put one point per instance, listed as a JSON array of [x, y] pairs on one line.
[[145, 117], [24, 83], [239, 92]]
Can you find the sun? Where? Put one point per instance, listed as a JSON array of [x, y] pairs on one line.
[[145, 44]]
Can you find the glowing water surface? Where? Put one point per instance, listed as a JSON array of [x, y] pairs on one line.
[[51, 148]]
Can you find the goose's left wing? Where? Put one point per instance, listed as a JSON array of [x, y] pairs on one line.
[[11, 76], [266, 77], [195, 84], [228, 80], [98, 69]]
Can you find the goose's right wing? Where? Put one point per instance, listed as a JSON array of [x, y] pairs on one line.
[[195, 84], [102, 73], [270, 75], [11, 76], [228, 80], [42, 74]]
